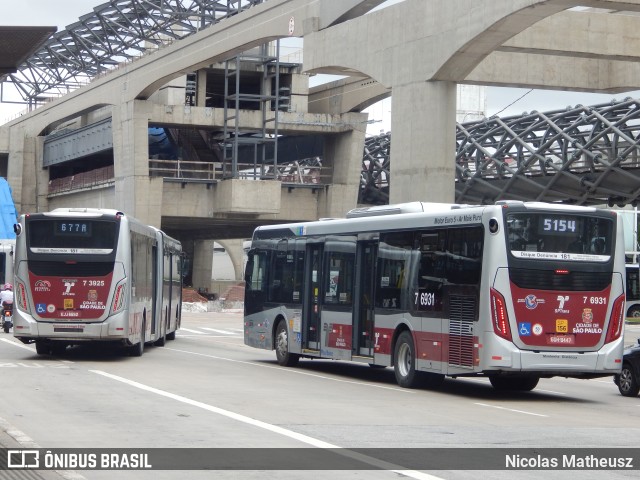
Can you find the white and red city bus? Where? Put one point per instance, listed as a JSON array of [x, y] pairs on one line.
[[514, 291], [85, 274]]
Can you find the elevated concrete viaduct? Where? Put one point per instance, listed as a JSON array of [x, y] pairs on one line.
[[416, 50]]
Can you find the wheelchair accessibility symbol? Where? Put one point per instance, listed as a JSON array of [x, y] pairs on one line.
[[524, 329], [41, 308]]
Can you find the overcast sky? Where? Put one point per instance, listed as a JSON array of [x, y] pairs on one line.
[[61, 13]]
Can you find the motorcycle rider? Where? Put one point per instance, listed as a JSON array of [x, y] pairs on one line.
[[6, 296]]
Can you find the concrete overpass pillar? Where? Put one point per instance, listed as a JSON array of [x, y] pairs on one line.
[[18, 168], [202, 263], [423, 125], [201, 92], [343, 159], [236, 254], [136, 193], [28, 180]]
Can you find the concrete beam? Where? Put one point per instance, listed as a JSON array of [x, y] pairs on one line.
[[580, 34], [556, 73], [415, 40], [352, 94], [615, 5], [462, 37], [142, 77], [571, 50]]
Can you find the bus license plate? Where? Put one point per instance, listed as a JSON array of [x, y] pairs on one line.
[[561, 339]]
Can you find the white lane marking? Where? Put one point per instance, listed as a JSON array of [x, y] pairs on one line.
[[206, 336], [19, 345], [608, 381], [254, 364], [220, 411], [189, 330], [227, 332], [549, 391], [267, 426], [510, 409]]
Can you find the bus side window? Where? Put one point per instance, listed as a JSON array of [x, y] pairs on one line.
[[465, 256], [340, 282], [340, 260], [256, 268], [394, 288]]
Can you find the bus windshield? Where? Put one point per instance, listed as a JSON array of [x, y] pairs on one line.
[[72, 236], [559, 236]]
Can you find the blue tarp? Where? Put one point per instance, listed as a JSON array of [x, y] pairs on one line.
[[8, 213]]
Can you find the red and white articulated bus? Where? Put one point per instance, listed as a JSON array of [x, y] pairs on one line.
[[85, 274], [513, 291]]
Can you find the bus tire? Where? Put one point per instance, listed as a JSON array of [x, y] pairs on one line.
[[171, 335], [138, 349], [520, 384], [283, 355], [627, 383], [634, 312], [43, 347], [404, 362], [163, 338]]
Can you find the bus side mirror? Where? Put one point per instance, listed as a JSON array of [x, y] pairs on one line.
[[17, 229]]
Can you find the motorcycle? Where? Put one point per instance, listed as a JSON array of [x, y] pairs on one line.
[[7, 316]]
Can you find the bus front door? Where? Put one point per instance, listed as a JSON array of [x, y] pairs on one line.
[[363, 313], [312, 304]]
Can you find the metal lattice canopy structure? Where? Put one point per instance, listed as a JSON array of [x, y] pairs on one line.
[[582, 155], [114, 32]]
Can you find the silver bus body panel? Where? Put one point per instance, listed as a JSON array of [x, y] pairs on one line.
[[489, 353]]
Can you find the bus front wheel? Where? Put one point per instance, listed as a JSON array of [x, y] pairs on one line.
[[284, 356], [404, 365]]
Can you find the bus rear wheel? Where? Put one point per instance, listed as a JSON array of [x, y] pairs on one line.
[[138, 349], [404, 365], [161, 342], [284, 356], [522, 384]]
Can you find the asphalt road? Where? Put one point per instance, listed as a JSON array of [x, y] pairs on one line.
[[207, 389]]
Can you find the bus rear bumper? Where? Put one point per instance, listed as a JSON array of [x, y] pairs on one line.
[[605, 361], [26, 329]]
